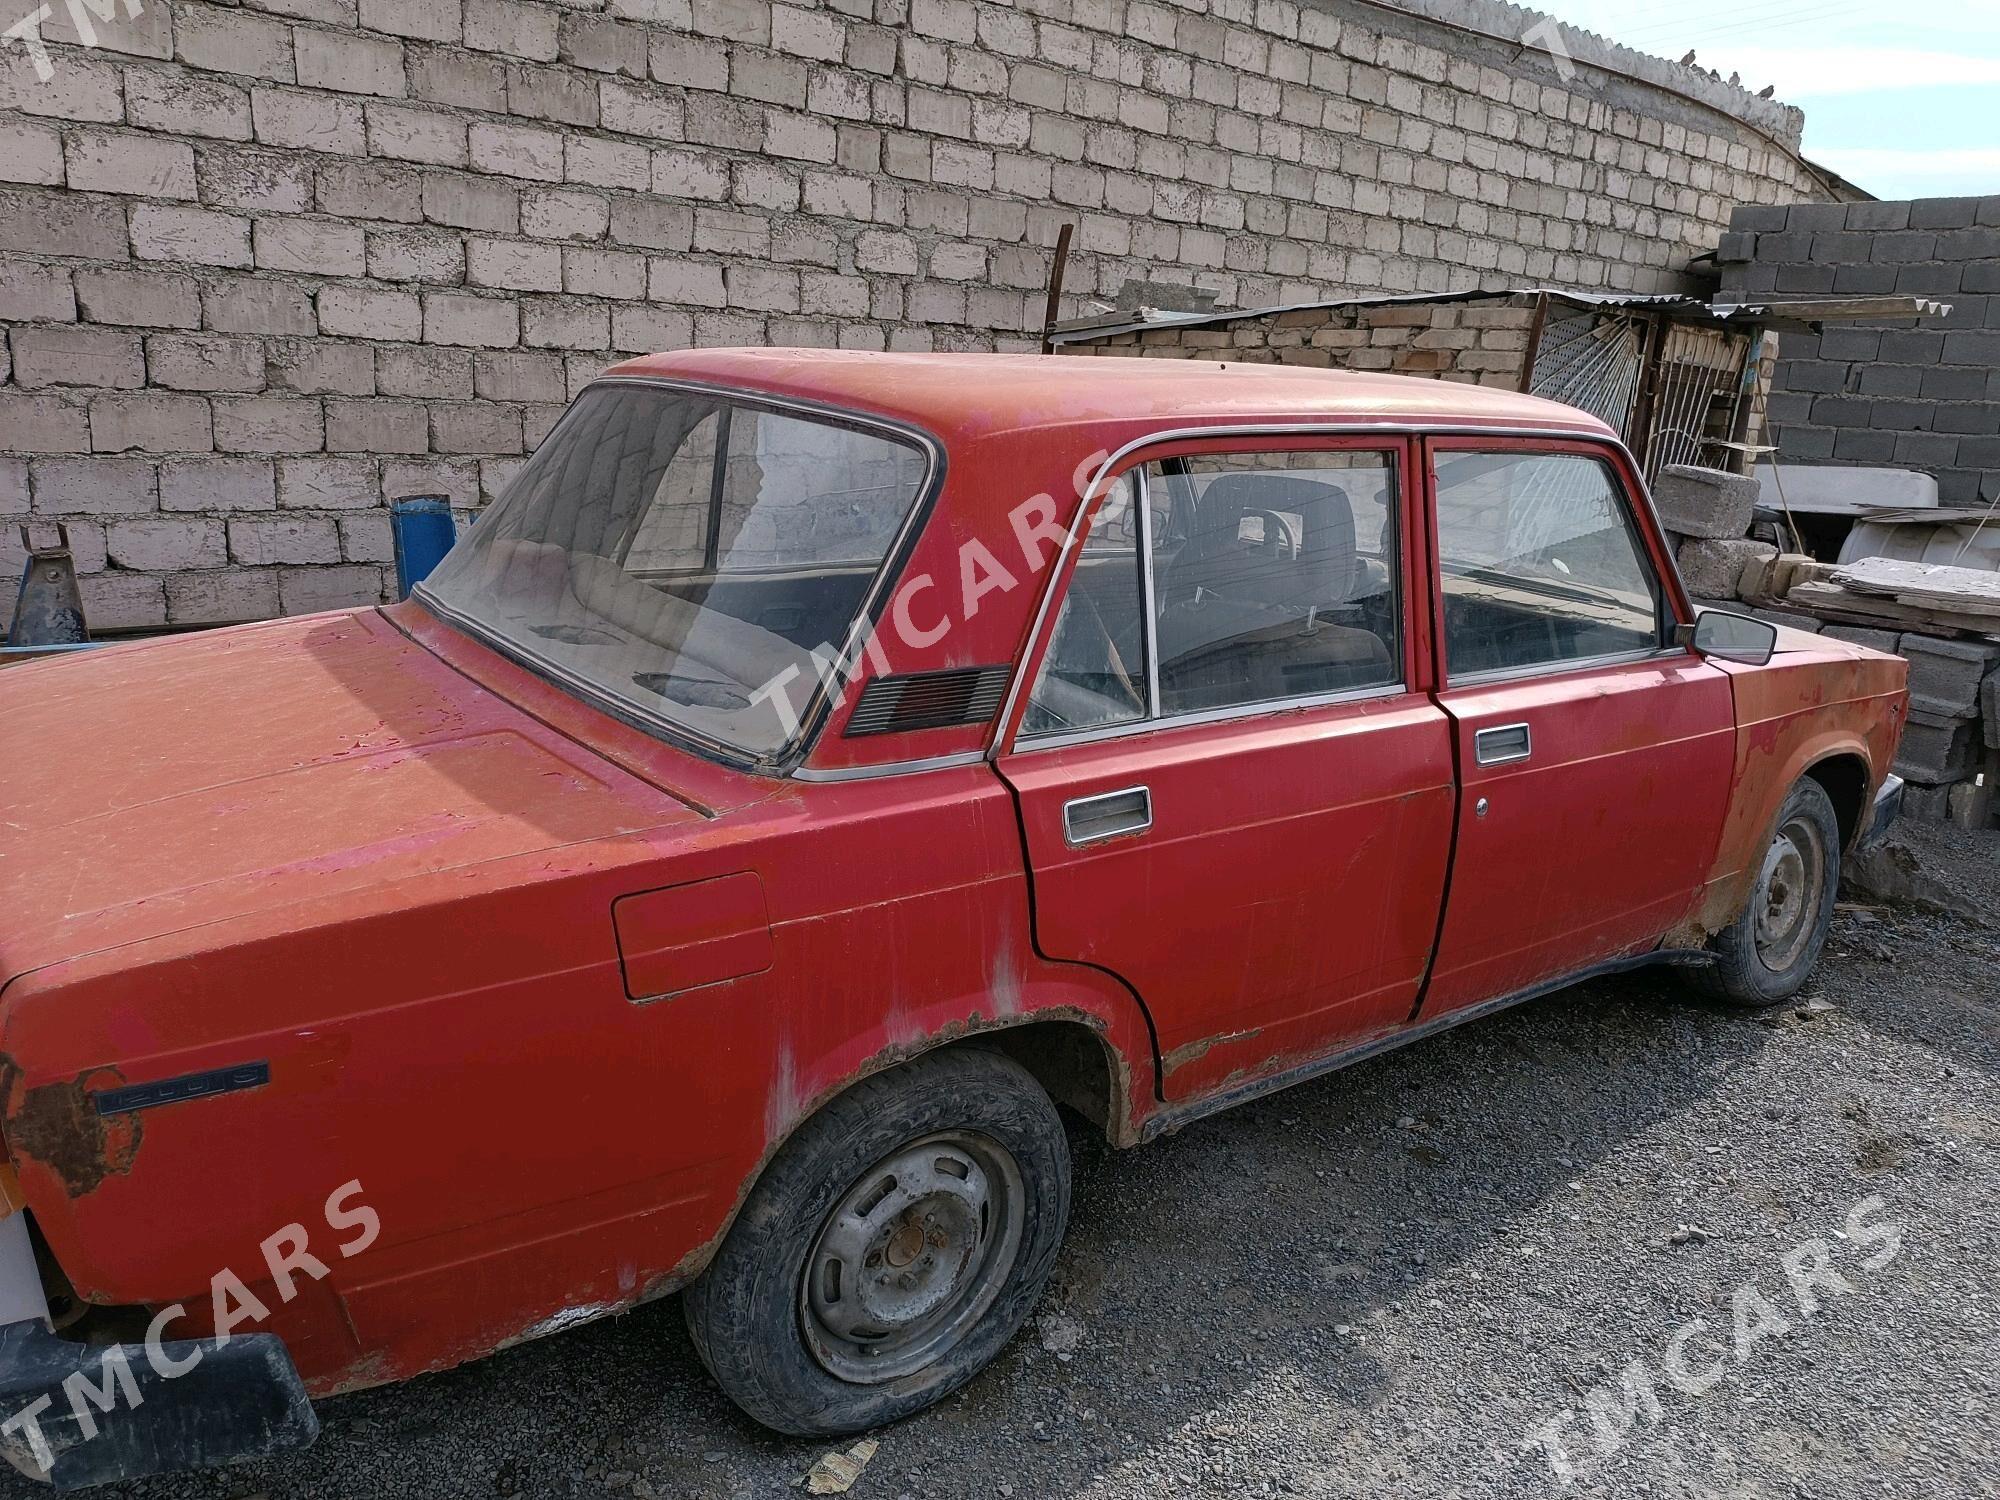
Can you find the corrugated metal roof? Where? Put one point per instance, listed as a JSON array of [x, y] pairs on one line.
[[1798, 314]]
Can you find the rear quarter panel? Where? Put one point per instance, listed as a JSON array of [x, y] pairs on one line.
[[538, 1146]]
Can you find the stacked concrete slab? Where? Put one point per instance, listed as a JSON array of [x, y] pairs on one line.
[[1951, 746]]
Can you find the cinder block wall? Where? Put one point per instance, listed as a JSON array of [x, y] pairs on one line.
[[1914, 396], [268, 263]]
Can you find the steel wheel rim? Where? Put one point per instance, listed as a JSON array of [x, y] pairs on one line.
[[912, 1257], [1790, 889]]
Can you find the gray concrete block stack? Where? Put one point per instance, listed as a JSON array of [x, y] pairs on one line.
[[1949, 747], [1895, 395], [1707, 514], [1707, 503], [266, 263], [1888, 395], [1950, 751]]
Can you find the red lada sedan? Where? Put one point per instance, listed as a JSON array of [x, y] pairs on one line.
[[812, 772]]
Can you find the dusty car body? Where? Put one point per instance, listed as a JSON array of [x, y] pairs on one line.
[[421, 900]]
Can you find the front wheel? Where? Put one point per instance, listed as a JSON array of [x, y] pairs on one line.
[[1764, 957], [895, 1244]]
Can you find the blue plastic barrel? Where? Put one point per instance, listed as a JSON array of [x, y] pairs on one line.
[[422, 528]]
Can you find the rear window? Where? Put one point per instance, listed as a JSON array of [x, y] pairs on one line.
[[682, 556]]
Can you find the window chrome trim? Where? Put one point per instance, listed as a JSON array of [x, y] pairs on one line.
[[1563, 668], [1149, 623], [1383, 429], [812, 721], [1201, 716], [889, 768]]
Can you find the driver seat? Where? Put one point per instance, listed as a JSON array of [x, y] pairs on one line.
[[1250, 605], [1270, 539]]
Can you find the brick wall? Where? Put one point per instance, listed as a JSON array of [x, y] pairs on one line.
[[267, 263], [1483, 341], [1923, 396]]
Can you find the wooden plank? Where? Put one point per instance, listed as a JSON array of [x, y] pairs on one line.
[[1535, 328], [1831, 602], [1962, 590], [1825, 309], [1928, 515]]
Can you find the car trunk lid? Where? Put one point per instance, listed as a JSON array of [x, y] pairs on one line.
[[186, 780]]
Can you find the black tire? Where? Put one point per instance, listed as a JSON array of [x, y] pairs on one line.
[[772, 1340], [1765, 956]]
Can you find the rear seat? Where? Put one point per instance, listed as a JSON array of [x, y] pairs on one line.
[[538, 583]]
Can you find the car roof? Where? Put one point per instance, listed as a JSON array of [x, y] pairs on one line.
[[969, 395]]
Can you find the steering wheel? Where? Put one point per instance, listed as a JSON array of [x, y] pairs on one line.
[[1279, 545]]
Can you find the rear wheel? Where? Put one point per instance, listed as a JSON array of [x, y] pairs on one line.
[[1765, 956], [894, 1245]]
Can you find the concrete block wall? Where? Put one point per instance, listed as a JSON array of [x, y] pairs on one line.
[[1915, 396], [264, 264]]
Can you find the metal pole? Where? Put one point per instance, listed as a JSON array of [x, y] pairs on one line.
[[1056, 269], [1534, 342], [1639, 439]]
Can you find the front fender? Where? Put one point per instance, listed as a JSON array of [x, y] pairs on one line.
[[1795, 714]]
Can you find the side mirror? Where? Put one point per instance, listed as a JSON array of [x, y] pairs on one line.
[[1728, 637]]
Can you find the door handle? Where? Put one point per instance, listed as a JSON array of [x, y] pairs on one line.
[[1088, 819], [1502, 743]]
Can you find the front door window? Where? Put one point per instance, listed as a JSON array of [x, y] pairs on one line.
[[1539, 563]]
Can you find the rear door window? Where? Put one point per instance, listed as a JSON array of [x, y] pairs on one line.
[[1275, 576], [1216, 582], [1095, 671]]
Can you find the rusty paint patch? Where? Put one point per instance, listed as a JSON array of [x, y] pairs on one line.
[[57, 1126], [1195, 1051], [563, 1318], [365, 1373]]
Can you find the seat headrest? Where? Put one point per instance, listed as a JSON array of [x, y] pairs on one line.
[[1218, 558]]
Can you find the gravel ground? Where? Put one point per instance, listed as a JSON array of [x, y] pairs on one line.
[[1383, 1280]]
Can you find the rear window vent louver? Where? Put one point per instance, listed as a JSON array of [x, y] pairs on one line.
[[929, 700]]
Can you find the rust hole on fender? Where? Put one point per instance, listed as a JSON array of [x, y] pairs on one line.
[[57, 1125]]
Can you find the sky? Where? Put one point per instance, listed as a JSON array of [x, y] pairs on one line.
[[1901, 99]]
